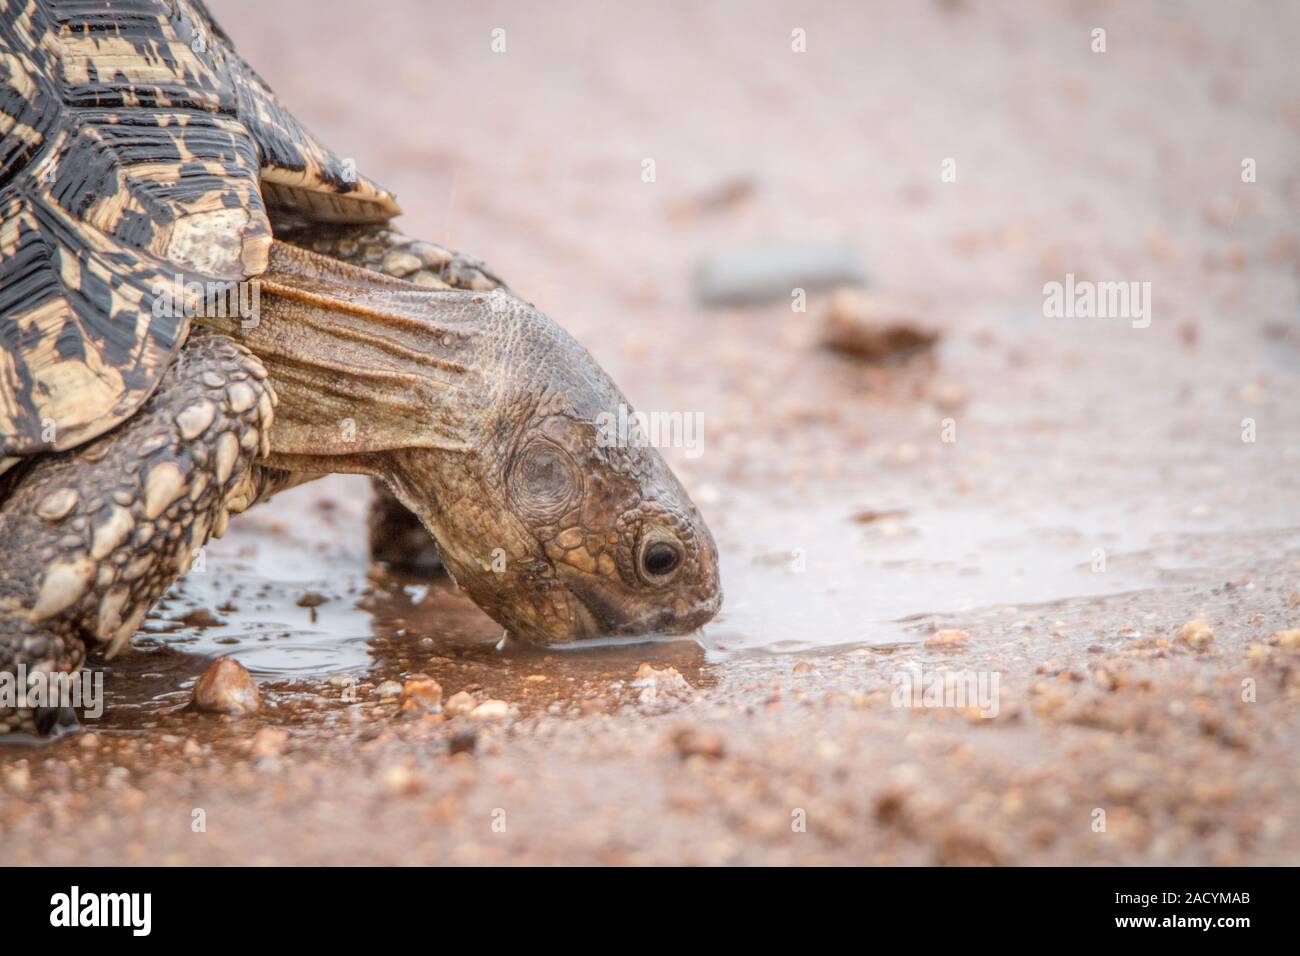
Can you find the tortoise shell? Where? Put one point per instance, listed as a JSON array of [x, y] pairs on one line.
[[135, 147]]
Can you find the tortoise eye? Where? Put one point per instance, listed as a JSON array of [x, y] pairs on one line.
[[661, 556]]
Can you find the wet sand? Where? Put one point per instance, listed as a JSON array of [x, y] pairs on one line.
[[1098, 494]]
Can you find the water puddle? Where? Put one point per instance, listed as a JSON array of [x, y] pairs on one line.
[[808, 577], [292, 595]]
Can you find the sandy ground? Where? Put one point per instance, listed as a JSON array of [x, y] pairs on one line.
[[851, 530]]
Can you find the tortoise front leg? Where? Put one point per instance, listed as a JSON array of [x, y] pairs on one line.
[[396, 535], [91, 538]]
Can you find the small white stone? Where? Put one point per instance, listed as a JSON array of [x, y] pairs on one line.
[[226, 688], [491, 710]]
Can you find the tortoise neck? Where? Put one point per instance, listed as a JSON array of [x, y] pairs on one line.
[[363, 364]]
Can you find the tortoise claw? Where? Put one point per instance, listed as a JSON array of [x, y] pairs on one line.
[[48, 725]]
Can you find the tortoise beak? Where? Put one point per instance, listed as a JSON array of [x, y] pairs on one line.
[[597, 616]]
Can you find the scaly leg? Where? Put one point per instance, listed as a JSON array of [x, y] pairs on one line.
[[384, 250], [398, 538], [91, 538]]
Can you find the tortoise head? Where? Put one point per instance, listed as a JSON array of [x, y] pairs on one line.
[[558, 525], [491, 423]]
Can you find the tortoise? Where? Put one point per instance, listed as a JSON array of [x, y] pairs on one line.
[[200, 305]]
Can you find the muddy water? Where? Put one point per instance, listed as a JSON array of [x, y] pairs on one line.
[[291, 594]]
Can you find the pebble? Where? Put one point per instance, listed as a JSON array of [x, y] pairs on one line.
[[389, 688], [1288, 640], [648, 676], [268, 742], [491, 710], [462, 742], [907, 453], [947, 637], [399, 779], [870, 326], [312, 599], [19, 777], [201, 617], [771, 272], [947, 395], [226, 688], [422, 697], [1197, 633], [1257, 653], [1121, 785], [698, 742], [459, 704]]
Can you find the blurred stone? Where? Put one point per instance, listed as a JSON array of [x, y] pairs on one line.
[[201, 617], [226, 688], [491, 710], [1288, 640], [947, 638], [769, 273], [723, 197], [868, 325], [698, 742], [268, 742], [422, 697], [1197, 634], [459, 704], [669, 677]]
